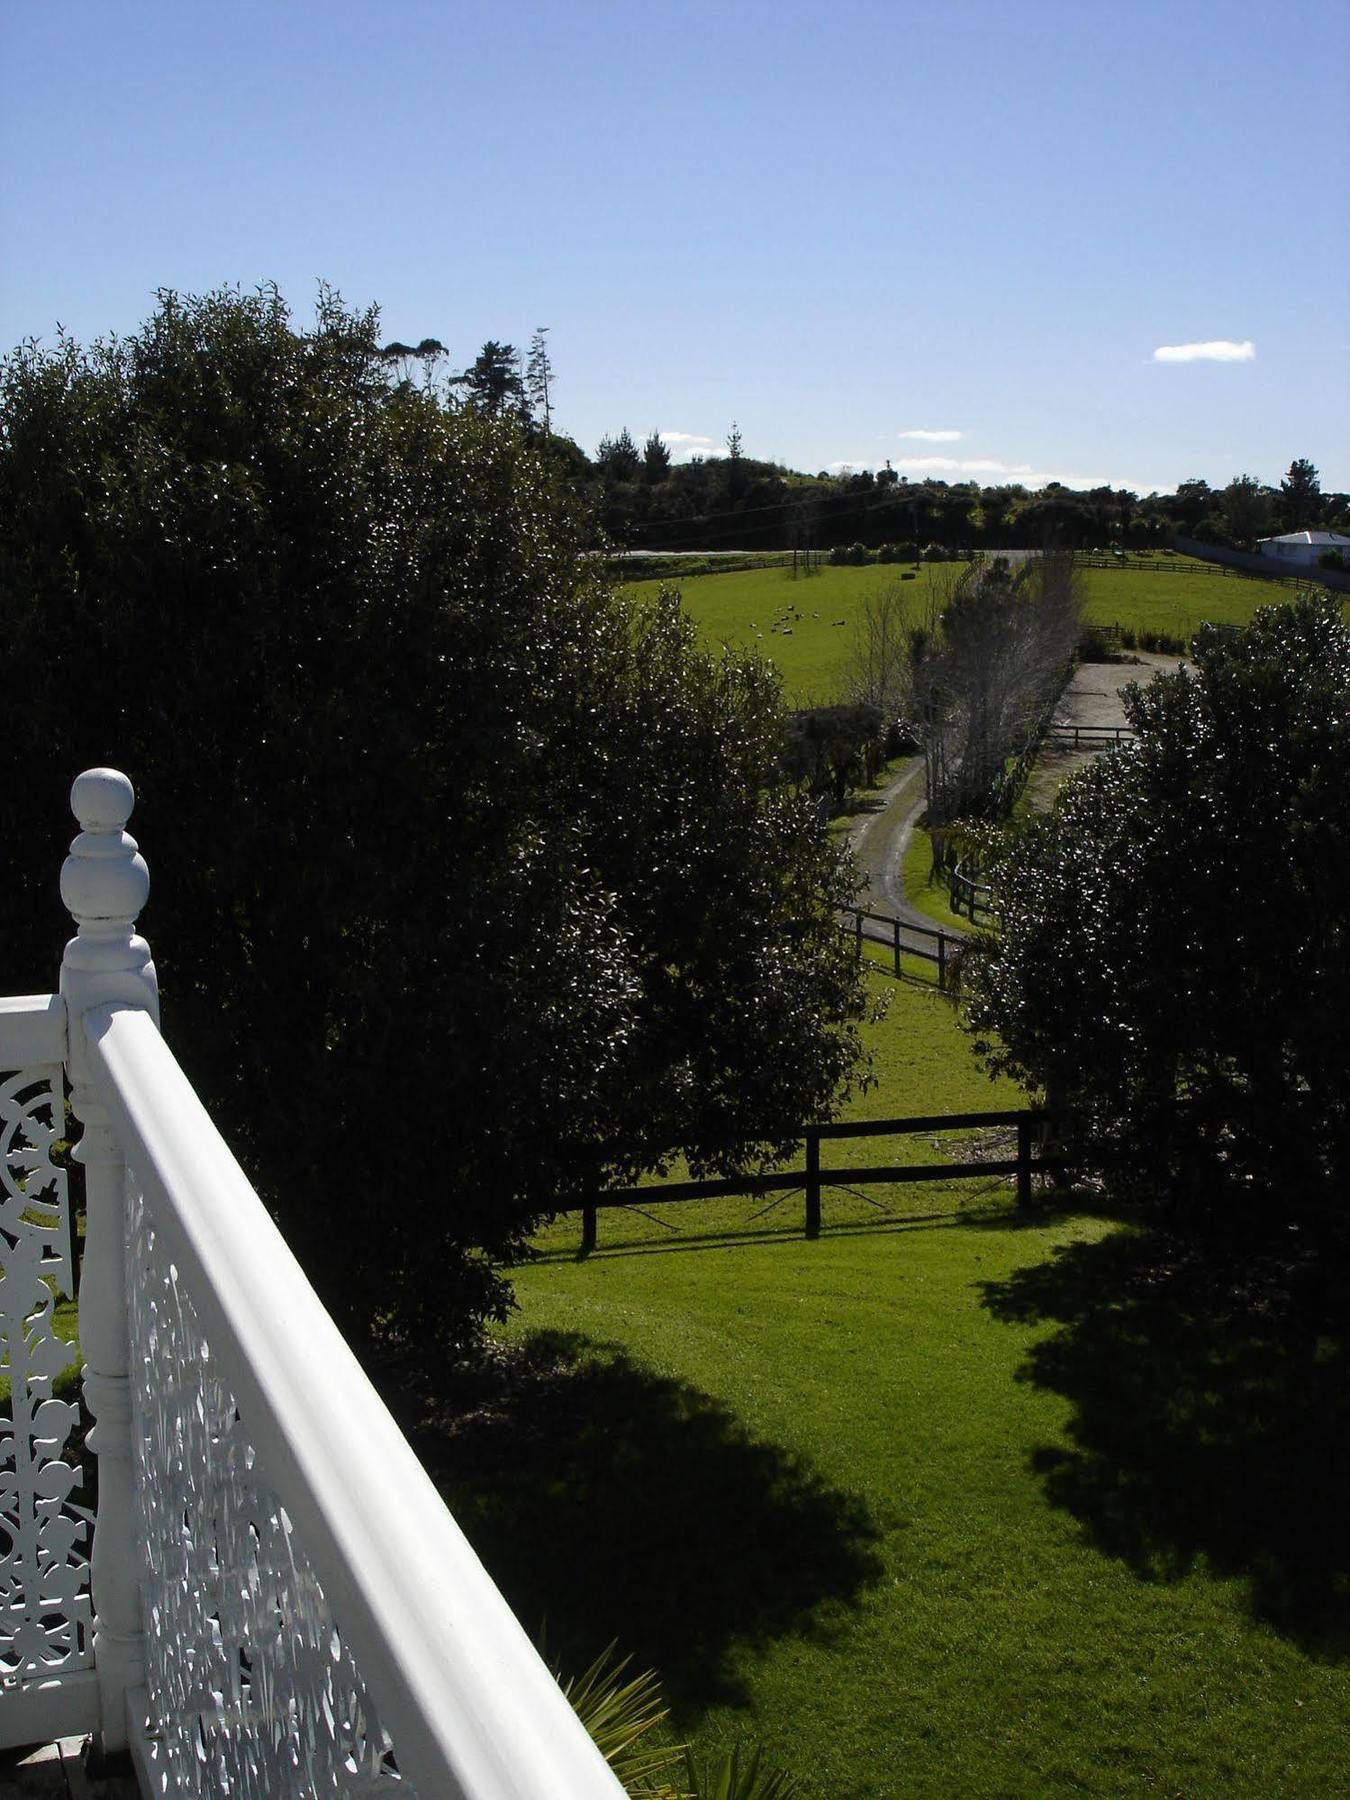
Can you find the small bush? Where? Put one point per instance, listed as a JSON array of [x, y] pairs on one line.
[[936, 553], [1162, 643]]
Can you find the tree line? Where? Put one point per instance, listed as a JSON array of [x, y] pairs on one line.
[[738, 502], [641, 498]]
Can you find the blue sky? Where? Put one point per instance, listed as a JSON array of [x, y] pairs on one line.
[[835, 224]]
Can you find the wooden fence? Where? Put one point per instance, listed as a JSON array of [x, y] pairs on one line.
[[899, 935], [1090, 737], [812, 1178], [969, 894]]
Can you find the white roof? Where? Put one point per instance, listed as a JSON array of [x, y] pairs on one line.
[[1307, 537]]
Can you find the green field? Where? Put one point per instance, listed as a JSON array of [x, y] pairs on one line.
[[805, 625], [935, 1506]]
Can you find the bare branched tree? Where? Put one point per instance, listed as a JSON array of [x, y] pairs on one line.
[[878, 672], [1007, 637], [970, 668]]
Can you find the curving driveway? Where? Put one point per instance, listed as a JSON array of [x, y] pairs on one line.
[[879, 838]]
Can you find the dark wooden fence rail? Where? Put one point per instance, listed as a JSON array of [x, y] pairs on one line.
[[969, 895], [813, 1178], [1093, 736], [899, 935]]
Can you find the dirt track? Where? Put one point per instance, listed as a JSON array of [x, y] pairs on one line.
[[878, 838]]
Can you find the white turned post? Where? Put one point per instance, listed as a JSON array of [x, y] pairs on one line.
[[104, 884]]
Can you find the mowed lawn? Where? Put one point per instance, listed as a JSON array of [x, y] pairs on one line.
[[938, 1505], [805, 625]]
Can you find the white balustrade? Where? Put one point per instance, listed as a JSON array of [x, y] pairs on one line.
[[281, 1604]]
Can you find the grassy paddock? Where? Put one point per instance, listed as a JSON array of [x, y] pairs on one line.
[[926, 1506], [743, 609], [919, 1064], [869, 1500], [951, 1502]]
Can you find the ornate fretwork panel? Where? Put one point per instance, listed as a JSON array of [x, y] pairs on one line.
[[44, 1571], [252, 1690]]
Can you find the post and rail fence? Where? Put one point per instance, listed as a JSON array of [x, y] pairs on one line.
[[272, 1599], [1090, 737], [1031, 1124], [904, 939]]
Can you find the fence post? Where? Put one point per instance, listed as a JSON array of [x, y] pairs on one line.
[[104, 884], [587, 1230], [1023, 1163], [857, 927], [812, 1182], [942, 959], [897, 947]]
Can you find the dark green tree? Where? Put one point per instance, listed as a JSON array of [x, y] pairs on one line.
[[1300, 496], [1193, 501], [473, 886], [617, 458], [1173, 961], [1246, 510], [655, 459], [493, 384]]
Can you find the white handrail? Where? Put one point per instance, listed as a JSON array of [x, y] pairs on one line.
[[471, 1709], [32, 1030]]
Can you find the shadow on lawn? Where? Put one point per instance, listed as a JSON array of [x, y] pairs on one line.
[[612, 1504], [1211, 1423]]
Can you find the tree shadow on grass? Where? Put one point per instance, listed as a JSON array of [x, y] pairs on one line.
[[1211, 1421], [612, 1504]]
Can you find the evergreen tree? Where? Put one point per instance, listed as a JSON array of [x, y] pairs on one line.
[[493, 383], [1300, 496], [655, 459]]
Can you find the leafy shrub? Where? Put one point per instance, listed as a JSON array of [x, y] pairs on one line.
[[1138, 979]]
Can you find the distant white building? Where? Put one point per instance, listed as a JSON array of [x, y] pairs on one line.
[[1304, 547]]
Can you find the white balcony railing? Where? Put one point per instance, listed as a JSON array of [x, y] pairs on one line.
[[280, 1604]]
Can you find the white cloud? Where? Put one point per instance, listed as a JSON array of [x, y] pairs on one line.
[[931, 437], [684, 445], [967, 465], [1215, 350]]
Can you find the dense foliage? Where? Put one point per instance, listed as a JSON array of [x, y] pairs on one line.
[[1174, 959], [744, 503], [471, 887]]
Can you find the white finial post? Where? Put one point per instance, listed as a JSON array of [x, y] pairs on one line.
[[104, 884]]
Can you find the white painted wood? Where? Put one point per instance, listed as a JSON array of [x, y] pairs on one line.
[[472, 1711], [104, 883], [32, 1030], [41, 1711], [44, 1561]]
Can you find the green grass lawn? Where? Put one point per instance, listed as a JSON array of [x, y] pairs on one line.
[[811, 645], [935, 1506], [919, 1064], [1141, 600]]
